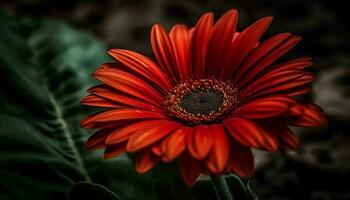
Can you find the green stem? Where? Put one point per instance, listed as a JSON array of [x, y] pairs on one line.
[[221, 188]]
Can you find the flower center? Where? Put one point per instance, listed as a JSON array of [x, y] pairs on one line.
[[201, 101]]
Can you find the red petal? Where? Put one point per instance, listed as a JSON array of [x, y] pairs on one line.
[[142, 66], [93, 100], [124, 133], [243, 44], [145, 161], [287, 84], [263, 49], [163, 50], [157, 148], [265, 107], [118, 115], [118, 78], [180, 40], [110, 94], [310, 117], [112, 65], [114, 150], [299, 91], [290, 65], [301, 59], [131, 91], [286, 138], [175, 144], [273, 78], [241, 160], [189, 169], [200, 142], [315, 106], [295, 110], [218, 156], [150, 135], [269, 59], [220, 41], [97, 140], [250, 134], [200, 41]]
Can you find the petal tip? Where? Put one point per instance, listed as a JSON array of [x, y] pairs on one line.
[[90, 146], [232, 12], [84, 123], [157, 27], [130, 148]]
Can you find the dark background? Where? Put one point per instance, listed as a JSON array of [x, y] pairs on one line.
[[321, 170]]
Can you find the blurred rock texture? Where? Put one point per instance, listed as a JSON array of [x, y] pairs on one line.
[[321, 170]]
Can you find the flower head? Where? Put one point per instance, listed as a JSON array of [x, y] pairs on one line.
[[212, 94]]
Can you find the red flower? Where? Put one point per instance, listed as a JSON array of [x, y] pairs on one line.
[[212, 95]]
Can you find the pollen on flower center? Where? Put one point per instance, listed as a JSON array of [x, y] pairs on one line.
[[201, 101]]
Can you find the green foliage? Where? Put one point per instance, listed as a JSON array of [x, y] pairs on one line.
[[86, 190], [239, 188], [45, 70]]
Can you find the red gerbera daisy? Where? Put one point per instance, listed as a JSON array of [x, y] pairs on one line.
[[212, 95]]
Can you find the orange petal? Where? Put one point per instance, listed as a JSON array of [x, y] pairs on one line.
[[200, 141], [311, 117], [241, 160], [298, 63], [163, 50], [295, 110], [272, 78], [220, 41], [143, 66], [260, 51], [218, 156], [114, 150], [175, 144], [276, 81], [180, 39], [157, 148], [265, 107], [243, 44], [145, 161], [124, 133], [286, 138], [106, 92], [97, 140], [200, 41], [270, 58], [250, 134], [93, 100], [298, 91], [98, 120], [290, 88], [189, 169], [150, 135], [116, 78]]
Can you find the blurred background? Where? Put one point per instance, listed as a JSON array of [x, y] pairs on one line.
[[321, 170]]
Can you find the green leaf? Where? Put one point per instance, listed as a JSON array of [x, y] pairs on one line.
[[88, 191], [45, 69]]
